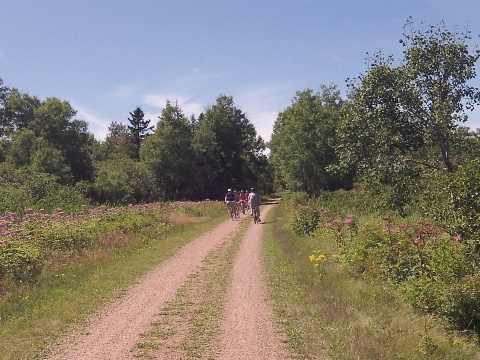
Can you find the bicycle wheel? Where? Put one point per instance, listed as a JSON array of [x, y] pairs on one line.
[[256, 216]]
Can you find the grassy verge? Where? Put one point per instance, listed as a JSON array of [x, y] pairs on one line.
[[33, 318], [327, 314], [189, 325]]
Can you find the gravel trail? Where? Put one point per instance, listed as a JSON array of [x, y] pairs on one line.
[[248, 330]]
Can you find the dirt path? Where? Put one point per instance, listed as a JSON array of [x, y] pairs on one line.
[[247, 330]]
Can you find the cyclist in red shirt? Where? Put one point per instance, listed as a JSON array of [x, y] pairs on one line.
[[243, 201]]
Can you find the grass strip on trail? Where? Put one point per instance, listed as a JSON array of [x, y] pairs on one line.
[[189, 325]]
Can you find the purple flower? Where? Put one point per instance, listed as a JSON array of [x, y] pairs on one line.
[[417, 241], [457, 238]]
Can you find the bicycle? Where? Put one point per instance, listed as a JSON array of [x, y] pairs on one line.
[[242, 206], [256, 215], [232, 209]]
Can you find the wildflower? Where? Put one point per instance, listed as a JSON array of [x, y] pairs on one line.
[[417, 241], [321, 257], [457, 238]]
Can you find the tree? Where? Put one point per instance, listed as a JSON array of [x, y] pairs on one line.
[[418, 105], [17, 110], [169, 152], [117, 143], [302, 143], [54, 122], [49, 160], [402, 119], [139, 129], [227, 147], [123, 181]]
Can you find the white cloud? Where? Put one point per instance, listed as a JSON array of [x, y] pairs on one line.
[[184, 102], [97, 125], [262, 104]]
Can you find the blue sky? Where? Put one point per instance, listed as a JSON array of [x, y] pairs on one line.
[[106, 57]]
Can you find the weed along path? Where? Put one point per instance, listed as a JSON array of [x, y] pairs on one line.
[[206, 301]]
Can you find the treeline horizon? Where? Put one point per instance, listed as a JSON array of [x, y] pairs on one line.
[[398, 133], [49, 159]]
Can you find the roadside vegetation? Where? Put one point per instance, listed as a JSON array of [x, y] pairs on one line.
[[389, 179], [331, 307], [72, 282]]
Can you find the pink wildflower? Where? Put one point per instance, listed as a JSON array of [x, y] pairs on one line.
[[417, 241], [457, 238]]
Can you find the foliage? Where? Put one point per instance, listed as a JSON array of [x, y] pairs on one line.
[[19, 261], [123, 181], [303, 139], [139, 129], [30, 241], [305, 220], [228, 152], [117, 144], [26, 188], [453, 201], [402, 120], [168, 153], [328, 314], [461, 302], [434, 270]]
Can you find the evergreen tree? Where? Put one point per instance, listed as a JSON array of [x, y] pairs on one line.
[[139, 129]]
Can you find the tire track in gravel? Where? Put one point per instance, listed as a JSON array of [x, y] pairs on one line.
[[249, 329], [113, 333]]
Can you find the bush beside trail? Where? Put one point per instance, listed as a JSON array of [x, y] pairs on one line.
[[436, 271], [29, 242]]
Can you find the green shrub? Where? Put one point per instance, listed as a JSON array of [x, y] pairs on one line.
[[461, 303], [305, 220], [19, 260]]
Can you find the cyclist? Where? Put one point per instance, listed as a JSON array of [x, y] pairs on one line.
[[247, 203], [230, 202], [243, 200], [255, 201], [237, 201]]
